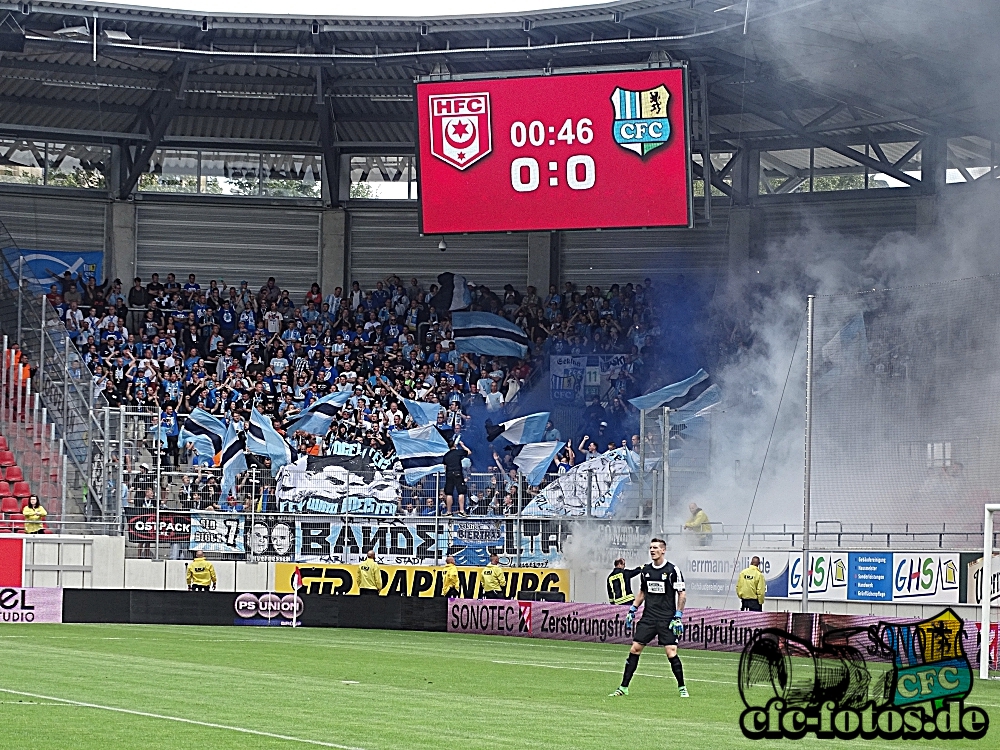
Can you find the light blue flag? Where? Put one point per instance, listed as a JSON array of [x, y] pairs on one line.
[[535, 459], [234, 461], [672, 392], [263, 440], [697, 408], [206, 432], [420, 450], [520, 431], [317, 418], [423, 413], [486, 333]]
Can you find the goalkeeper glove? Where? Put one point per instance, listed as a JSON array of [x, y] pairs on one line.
[[630, 617], [676, 626]]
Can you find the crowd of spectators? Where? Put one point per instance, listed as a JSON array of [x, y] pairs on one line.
[[172, 346]]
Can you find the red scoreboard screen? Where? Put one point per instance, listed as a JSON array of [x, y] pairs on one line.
[[575, 151]]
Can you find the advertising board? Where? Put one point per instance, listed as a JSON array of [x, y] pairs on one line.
[[31, 605], [578, 151], [415, 580]]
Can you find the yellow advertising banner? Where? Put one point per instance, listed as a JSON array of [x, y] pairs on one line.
[[422, 580]]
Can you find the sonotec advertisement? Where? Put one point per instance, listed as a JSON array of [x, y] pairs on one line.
[[581, 151]]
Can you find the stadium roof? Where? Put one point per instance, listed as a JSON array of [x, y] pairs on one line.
[[789, 72]]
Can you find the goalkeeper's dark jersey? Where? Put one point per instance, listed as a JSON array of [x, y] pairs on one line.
[[661, 586]]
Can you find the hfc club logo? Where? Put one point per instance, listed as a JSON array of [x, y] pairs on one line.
[[460, 128]]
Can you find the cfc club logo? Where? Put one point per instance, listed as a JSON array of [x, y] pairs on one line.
[[641, 123], [460, 128], [914, 688]]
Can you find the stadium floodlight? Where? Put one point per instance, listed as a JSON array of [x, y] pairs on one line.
[[117, 36], [73, 31], [987, 596]]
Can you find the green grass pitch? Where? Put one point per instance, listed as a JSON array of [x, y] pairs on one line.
[[247, 688]]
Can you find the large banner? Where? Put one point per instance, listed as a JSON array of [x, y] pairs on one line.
[[603, 479], [709, 629], [422, 580], [142, 525], [31, 605], [218, 532], [362, 482], [271, 539], [42, 268], [414, 542], [573, 379], [536, 153]]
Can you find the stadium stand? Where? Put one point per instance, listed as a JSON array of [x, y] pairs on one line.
[[229, 348]]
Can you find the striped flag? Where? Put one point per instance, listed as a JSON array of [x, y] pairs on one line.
[[206, 432], [234, 461], [520, 431], [263, 440], [675, 395], [453, 293], [297, 579], [423, 413], [420, 450], [697, 407], [486, 333], [534, 460], [317, 418]]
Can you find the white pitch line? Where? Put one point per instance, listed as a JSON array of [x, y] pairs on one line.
[[181, 720], [605, 671]]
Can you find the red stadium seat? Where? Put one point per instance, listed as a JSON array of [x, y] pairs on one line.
[[5, 489], [7, 458], [10, 505], [24, 501], [14, 474], [18, 523], [3, 444], [22, 489]]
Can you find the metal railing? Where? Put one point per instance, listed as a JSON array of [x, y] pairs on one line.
[[64, 383]]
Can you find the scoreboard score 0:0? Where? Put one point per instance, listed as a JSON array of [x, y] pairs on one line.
[[581, 151]]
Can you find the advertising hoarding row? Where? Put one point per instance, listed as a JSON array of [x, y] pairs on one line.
[[706, 629], [919, 577]]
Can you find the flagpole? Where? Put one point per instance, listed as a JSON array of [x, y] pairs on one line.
[[520, 482], [807, 464]]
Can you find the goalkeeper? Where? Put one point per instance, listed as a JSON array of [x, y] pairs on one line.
[[662, 591]]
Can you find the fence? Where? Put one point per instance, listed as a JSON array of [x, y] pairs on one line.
[[905, 425], [63, 383]]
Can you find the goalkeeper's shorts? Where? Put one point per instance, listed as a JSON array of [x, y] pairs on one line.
[[647, 629]]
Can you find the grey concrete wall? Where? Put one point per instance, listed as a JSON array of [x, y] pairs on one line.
[[333, 250], [119, 256], [539, 261]]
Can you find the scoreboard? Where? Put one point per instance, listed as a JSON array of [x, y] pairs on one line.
[[580, 151]]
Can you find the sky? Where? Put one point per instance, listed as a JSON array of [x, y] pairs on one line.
[[385, 8]]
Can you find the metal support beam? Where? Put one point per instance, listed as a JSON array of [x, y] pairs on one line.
[[715, 181], [328, 139], [166, 107], [795, 127]]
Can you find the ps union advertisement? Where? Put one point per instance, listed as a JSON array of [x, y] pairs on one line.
[[554, 152]]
